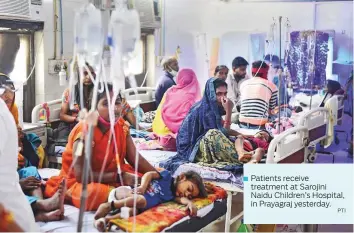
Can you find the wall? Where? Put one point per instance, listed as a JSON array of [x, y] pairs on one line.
[[235, 20], [47, 86], [187, 19]]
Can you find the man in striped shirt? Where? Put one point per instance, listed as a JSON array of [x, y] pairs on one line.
[[258, 98]]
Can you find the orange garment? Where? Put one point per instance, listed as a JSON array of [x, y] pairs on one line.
[[14, 112], [97, 192]]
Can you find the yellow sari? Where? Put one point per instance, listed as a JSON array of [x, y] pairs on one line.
[[158, 126]]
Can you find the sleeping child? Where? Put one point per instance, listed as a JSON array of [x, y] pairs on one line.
[[253, 149], [155, 188]]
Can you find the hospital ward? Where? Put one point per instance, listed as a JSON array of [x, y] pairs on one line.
[[140, 115]]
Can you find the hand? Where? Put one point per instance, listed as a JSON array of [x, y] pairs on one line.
[[30, 183], [227, 104], [192, 209], [208, 187], [139, 190], [129, 179]]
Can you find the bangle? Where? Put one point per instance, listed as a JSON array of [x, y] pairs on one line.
[[227, 122]]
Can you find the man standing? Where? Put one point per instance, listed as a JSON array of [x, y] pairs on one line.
[[171, 68], [234, 81], [258, 98]]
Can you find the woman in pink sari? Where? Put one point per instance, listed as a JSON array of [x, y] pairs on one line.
[[176, 103]]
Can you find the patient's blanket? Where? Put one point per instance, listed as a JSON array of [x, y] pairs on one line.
[[164, 215]]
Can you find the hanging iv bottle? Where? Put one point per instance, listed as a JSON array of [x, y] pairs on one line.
[[123, 37], [89, 35]]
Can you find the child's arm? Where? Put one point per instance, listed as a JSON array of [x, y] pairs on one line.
[[146, 180], [185, 201]]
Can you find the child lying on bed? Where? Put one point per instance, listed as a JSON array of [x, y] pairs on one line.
[[253, 149], [155, 188]]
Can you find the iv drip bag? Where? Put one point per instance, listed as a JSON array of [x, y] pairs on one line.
[[124, 35], [89, 35]]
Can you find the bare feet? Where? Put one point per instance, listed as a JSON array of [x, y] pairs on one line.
[[100, 224], [103, 210], [53, 203], [55, 215], [62, 189]]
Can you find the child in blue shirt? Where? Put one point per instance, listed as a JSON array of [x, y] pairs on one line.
[[155, 188]]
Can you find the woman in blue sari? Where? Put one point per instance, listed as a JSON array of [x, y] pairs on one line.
[[203, 135]]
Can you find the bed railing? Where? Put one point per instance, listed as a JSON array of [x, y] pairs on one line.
[[289, 147], [316, 121], [54, 111], [145, 96]]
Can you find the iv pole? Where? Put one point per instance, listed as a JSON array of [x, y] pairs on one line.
[[279, 82]]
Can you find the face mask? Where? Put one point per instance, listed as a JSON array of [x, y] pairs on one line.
[[173, 73], [104, 122]]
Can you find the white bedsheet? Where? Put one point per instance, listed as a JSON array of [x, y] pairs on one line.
[[69, 224]]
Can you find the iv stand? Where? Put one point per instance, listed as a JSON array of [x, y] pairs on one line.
[[87, 159], [279, 79]]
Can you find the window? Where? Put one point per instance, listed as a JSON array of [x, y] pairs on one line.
[[15, 51]]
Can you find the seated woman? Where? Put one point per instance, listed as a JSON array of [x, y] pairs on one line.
[[176, 103], [203, 135], [69, 113], [221, 72], [30, 181], [104, 176], [30, 143]]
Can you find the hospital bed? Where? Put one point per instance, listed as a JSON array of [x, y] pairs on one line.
[[287, 147], [144, 96], [318, 122]]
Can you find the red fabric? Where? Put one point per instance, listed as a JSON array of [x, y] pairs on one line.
[[262, 71], [97, 193], [260, 143]]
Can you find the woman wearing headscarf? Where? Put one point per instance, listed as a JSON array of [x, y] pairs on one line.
[[17, 209], [203, 135], [221, 71], [176, 103]]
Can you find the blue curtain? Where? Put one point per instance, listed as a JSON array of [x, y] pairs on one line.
[[307, 49]]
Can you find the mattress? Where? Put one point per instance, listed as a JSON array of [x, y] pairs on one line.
[[69, 224], [208, 173]]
